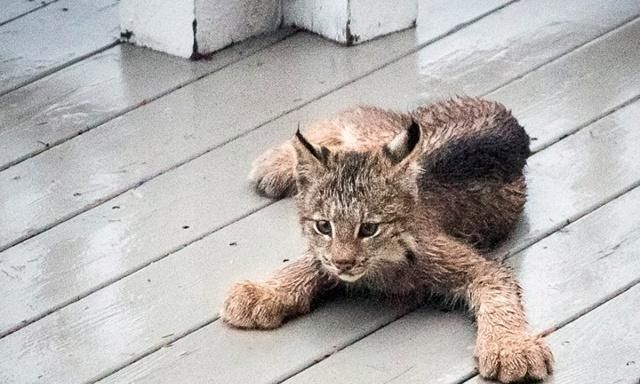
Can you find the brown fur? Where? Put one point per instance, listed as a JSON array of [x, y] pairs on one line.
[[440, 186]]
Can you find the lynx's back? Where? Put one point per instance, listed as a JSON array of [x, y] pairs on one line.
[[471, 158]]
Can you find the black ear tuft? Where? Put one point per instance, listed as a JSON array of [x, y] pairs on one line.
[[413, 136], [404, 143], [319, 152]]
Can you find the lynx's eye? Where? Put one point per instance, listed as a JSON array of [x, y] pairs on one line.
[[323, 227], [368, 229]]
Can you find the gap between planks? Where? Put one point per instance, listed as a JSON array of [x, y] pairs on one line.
[[108, 282], [57, 68], [224, 225], [42, 5], [285, 35]]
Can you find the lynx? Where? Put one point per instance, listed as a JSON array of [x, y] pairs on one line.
[[405, 206]]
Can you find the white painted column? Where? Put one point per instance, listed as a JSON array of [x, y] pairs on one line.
[[163, 25], [224, 22], [351, 21], [193, 28]]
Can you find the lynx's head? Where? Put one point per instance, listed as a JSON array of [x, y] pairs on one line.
[[356, 208]]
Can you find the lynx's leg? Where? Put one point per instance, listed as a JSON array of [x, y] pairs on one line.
[[505, 350], [265, 305], [273, 172]]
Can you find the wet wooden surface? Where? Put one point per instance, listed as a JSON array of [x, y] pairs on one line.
[[14, 9], [44, 41], [119, 238], [84, 96]]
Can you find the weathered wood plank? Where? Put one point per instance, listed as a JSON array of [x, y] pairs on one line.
[[50, 111], [181, 292], [147, 222], [610, 81], [13, 9], [552, 273], [97, 76], [42, 42], [188, 121], [78, 98], [601, 347]]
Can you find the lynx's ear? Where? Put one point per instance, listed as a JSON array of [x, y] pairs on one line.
[[307, 153], [405, 146], [311, 160]]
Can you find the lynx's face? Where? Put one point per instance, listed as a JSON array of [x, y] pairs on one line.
[[356, 207]]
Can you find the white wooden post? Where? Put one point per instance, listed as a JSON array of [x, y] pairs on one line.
[[351, 21], [193, 28]]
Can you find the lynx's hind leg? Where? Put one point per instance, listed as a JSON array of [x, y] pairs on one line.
[[272, 174]]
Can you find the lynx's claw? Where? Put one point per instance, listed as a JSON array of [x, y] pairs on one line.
[[514, 359], [251, 305]]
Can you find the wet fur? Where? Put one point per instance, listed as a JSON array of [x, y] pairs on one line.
[[447, 183]]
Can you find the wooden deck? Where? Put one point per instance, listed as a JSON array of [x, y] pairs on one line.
[[125, 212]]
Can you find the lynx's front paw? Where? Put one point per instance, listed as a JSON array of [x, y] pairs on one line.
[[251, 305], [514, 358]]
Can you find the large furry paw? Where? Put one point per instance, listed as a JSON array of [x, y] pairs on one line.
[[514, 358], [272, 174], [251, 305]]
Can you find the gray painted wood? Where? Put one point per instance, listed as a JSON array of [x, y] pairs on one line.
[[419, 345], [190, 286], [13, 9], [193, 120], [189, 121], [82, 96], [438, 16], [41, 42], [85, 95], [612, 77], [106, 243], [182, 292], [601, 347], [562, 276]]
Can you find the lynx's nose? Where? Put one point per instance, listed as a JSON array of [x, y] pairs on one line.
[[343, 264]]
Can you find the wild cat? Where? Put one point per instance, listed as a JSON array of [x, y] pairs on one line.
[[405, 205]]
